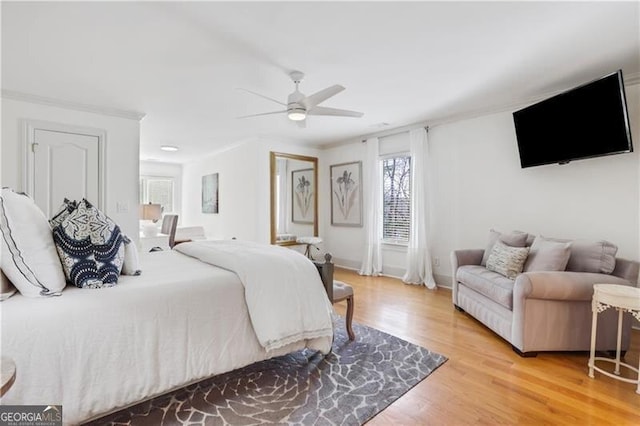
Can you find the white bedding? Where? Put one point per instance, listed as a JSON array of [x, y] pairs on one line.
[[94, 351], [282, 289]]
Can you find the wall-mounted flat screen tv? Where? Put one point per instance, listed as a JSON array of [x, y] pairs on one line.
[[588, 121]]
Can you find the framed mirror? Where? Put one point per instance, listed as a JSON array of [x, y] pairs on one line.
[[294, 197]]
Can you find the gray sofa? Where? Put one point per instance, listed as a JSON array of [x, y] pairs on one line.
[[540, 311]]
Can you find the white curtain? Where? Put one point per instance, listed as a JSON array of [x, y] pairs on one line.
[[372, 256], [281, 172], [418, 258]]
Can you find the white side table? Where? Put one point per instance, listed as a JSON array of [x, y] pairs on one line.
[[624, 299]]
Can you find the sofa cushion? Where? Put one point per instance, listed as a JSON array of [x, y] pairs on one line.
[[591, 256], [513, 239], [488, 283], [547, 255], [507, 260]]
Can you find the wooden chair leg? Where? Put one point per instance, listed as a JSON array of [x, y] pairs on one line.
[[352, 335]]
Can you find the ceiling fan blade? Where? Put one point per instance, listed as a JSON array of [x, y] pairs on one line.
[[334, 111], [264, 113], [321, 96], [262, 96]]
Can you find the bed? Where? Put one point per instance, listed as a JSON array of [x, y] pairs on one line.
[[180, 321]]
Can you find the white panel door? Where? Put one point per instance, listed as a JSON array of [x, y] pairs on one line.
[[65, 165]]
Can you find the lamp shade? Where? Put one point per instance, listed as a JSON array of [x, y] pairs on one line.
[[150, 212]]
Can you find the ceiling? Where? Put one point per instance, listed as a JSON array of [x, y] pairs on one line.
[[180, 63]]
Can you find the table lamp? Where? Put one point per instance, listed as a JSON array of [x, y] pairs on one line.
[[152, 213]]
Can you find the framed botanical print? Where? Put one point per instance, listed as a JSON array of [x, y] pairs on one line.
[[346, 194], [302, 196]]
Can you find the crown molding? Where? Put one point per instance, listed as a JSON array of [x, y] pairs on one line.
[[43, 100]]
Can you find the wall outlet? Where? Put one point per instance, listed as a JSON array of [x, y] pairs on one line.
[[436, 261], [122, 207]]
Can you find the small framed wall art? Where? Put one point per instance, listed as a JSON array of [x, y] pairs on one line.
[[210, 193], [346, 194], [302, 209]]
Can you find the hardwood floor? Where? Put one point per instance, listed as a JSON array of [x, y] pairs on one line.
[[484, 381]]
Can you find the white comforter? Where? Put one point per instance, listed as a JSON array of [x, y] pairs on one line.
[[94, 351], [283, 289]]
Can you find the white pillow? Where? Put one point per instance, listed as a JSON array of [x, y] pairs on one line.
[[131, 264], [29, 257]]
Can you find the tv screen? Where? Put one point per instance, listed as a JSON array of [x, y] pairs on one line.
[[588, 121]]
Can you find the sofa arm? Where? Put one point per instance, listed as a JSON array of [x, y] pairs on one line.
[[576, 286], [466, 257], [627, 269], [461, 258]]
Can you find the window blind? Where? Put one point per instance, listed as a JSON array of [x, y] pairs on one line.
[[396, 187]]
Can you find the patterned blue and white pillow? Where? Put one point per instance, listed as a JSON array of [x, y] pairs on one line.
[[91, 247], [62, 213]]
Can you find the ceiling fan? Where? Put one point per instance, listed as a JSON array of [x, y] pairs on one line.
[[300, 106]]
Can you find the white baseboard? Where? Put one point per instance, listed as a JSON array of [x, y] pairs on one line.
[[443, 281]]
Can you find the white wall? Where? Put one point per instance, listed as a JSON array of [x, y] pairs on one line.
[[244, 192], [122, 153], [161, 169], [478, 184]]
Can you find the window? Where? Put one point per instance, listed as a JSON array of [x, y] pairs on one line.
[[157, 190], [396, 198]]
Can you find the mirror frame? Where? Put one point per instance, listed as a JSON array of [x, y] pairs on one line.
[[272, 167]]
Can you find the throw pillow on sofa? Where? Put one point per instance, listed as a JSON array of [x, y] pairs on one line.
[[547, 255], [29, 257], [513, 239], [507, 260], [591, 256], [90, 246]]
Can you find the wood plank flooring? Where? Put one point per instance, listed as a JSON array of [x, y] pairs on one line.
[[484, 381]]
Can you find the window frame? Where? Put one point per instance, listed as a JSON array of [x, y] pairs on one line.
[[143, 196], [390, 241]]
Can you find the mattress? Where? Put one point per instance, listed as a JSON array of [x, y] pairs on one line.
[[95, 351]]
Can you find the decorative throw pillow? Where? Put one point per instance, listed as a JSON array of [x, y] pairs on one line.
[[547, 255], [513, 239], [507, 260], [90, 246], [62, 213], [131, 265], [29, 257], [591, 256], [6, 288]]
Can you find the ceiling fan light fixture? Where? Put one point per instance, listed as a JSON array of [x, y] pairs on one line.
[[297, 114]]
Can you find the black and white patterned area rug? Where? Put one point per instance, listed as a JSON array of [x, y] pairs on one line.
[[349, 386]]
